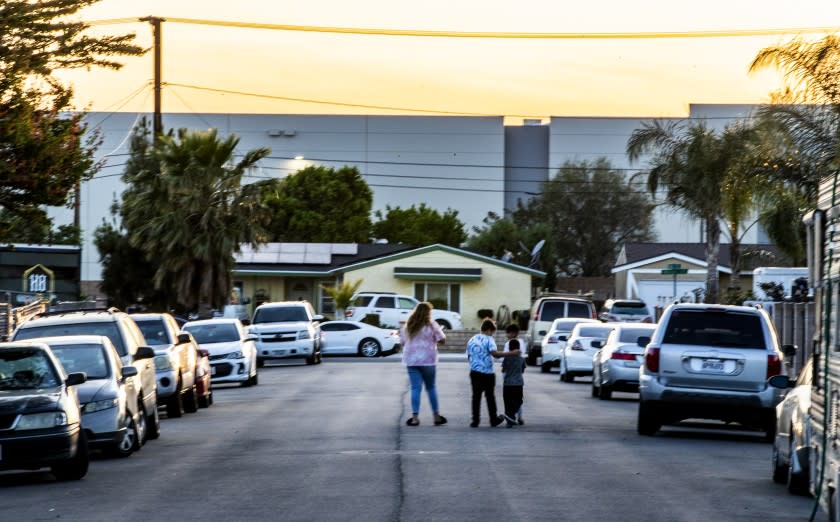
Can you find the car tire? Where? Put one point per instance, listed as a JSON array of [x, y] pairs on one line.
[[190, 401], [76, 467], [532, 357], [255, 379], [153, 425], [780, 469], [444, 324], [129, 443], [260, 363], [648, 422], [594, 389], [370, 348], [545, 367], [797, 483], [204, 401], [768, 424], [604, 392], [175, 402], [142, 428]]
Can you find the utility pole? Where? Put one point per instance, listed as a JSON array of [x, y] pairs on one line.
[[157, 122]]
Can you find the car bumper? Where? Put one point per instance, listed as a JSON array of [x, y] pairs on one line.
[[580, 363], [167, 380], [39, 448], [229, 370], [103, 427], [551, 354], [287, 350], [621, 375]]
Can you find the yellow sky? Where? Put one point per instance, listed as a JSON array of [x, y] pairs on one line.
[[525, 77]]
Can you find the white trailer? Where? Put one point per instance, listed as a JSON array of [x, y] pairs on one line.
[[776, 274]]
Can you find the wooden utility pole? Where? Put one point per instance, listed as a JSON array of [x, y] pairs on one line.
[[157, 121]]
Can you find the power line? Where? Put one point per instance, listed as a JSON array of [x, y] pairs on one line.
[[622, 35]]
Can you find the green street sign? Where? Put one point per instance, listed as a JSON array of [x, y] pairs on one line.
[[674, 269]]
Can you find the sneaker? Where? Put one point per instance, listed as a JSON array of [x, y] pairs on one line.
[[520, 421], [497, 421], [474, 424]]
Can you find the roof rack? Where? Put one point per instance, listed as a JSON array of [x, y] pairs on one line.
[[50, 313]]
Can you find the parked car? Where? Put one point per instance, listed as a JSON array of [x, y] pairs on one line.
[[233, 356], [625, 311], [576, 356], [176, 357], [40, 423], [615, 367], [203, 384], [356, 338], [286, 330], [710, 362], [111, 410], [124, 335], [792, 444], [544, 311], [555, 340], [393, 310]]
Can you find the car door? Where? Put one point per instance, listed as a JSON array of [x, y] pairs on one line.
[[386, 308], [405, 305], [337, 337]]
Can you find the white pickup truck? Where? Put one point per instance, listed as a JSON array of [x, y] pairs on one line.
[[393, 310]]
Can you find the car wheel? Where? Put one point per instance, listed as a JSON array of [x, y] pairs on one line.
[[255, 380], [545, 367], [153, 425], [797, 481], [127, 445], [594, 389], [204, 401], [190, 401], [443, 324], [175, 403], [531, 360], [780, 469], [648, 421], [604, 392], [768, 424], [369, 348], [260, 363], [142, 427], [77, 467]]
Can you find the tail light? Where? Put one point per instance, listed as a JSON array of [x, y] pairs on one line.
[[577, 346], [647, 319], [623, 356], [348, 313], [652, 359], [774, 365], [536, 316], [552, 339], [594, 315]]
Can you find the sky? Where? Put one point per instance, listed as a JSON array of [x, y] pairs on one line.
[[206, 65]]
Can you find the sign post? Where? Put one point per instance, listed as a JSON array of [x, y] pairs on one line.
[[674, 269]]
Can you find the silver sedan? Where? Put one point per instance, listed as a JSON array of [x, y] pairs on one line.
[[615, 367]]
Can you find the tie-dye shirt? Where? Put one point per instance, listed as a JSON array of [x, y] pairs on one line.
[[478, 350], [421, 350]]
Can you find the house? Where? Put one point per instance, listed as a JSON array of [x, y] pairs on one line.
[[463, 281], [649, 271]]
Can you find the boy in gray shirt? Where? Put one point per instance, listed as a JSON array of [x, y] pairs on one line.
[[512, 368]]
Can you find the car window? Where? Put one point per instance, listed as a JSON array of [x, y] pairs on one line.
[[551, 310], [405, 303], [338, 327], [26, 368], [714, 328], [213, 333], [280, 314], [362, 300], [629, 308], [155, 331], [631, 335], [593, 331], [88, 358], [386, 302], [579, 310], [109, 330]]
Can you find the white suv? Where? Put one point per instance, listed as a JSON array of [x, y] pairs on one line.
[[710, 362], [393, 310], [286, 329]]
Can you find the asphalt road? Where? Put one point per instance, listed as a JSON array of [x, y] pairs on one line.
[[329, 442]]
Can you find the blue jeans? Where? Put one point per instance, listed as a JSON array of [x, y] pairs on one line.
[[417, 376]]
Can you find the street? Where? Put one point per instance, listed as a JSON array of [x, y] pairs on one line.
[[329, 442]]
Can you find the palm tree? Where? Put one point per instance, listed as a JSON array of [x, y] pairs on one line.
[[189, 212], [695, 166], [342, 295]]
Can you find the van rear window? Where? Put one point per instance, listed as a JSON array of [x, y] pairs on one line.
[[714, 328], [551, 310]]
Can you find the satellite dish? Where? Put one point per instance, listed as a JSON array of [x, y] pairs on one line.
[[535, 253]]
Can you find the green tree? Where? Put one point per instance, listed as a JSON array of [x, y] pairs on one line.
[[419, 226], [342, 295], [187, 210], [43, 153], [320, 204]]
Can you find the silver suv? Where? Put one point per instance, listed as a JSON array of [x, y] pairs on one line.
[[710, 362]]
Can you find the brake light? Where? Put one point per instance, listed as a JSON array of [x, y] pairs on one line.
[[774, 365], [594, 315], [348, 312], [647, 319], [652, 359], [537, 316], [552, 339], [577, 346], [623, 356]]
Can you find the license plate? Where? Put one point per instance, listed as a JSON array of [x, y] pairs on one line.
[[278, 352], [212, 370], [714, 365]]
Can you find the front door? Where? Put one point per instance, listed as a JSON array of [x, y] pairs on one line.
[[299, 290]]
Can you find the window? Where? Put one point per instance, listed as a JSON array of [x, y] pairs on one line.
[[385, 302], [444, 296], [579, 310], [712, 328], [405, 303], [326, 301]]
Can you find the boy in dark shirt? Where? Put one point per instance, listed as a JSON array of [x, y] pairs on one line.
[[512, 367]]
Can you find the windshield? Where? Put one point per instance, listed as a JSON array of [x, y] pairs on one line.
[[26, 369], [154, 331], [594, 331], [630, 309], [285, 314], [714, 328], [213, 333], [631, 335], [88, 358], [109, 330]]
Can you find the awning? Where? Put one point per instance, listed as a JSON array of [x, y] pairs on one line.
[[437, 274]]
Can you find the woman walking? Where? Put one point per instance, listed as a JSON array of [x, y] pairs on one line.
[[420, 337]]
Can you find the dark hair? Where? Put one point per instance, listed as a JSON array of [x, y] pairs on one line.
[[512, 328], [488, 325], [513, 344]]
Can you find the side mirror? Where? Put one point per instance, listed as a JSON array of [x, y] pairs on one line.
[[643, 341], [541, 332], [144, 352], [781, 381], [318, 317], [246, 322], [128, 371], [183, 337], [789, 350], [203, 353], [597, 344], [75, 378]]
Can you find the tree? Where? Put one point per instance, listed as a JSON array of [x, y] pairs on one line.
[[320, 204], [419, 226], [43, 155], [342, 295], [187, 210]]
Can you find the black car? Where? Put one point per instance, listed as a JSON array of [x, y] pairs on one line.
[[40, 424]]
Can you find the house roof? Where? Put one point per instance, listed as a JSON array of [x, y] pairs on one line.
[[635, 254]]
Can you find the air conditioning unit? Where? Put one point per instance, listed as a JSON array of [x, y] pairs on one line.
[[275, 132]]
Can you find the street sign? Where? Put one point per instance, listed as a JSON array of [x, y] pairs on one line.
[[674, 269]]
